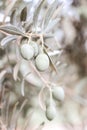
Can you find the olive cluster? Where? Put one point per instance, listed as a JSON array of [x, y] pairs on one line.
[[57, 94], [31, 50]]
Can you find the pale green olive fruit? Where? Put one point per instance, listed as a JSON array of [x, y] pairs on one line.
[[27, 51], [42, 62], [35, 46], [51, 112], [58, 93]]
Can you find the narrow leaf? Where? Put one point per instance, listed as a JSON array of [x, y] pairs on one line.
[[58, 11], [49, 14], [37, 11], [22, 87], [13, 114], [47, 36], [15, 71], [52, 24], [20, 109], [13, 18], [11, 29], [23, 15], [16, 115], [41, 99], [5, 41], [28, 26], [51, 62]]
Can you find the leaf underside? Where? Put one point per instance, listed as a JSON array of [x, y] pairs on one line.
[[5, 41], [49, 14], [37, 11], [11, 29], [51, 62]]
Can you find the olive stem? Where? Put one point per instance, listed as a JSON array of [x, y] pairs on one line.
[[41, 37], [44, 81], [50, 89]]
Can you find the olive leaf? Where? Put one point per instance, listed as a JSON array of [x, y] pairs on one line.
[[12, 121], [5, 41], [49, 14], [58, 11], [36, 13], [41, 99], [13, 17], [15, 71], [51, 62], [51, 24], [11, 29], [16, 114], [28, 26], [47, 36], [22, 87], [23, 15]]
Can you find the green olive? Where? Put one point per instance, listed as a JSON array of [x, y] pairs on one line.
[[51, 112], [27, 51], [42, 62], [35, 46], [58, 93]]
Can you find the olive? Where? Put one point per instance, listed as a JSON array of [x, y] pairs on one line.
[[27, 51], [35, 46], [42, 62], [58, 93], [51, 112]]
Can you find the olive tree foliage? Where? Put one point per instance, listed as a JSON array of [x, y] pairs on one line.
[[32, 61], [29, 61]]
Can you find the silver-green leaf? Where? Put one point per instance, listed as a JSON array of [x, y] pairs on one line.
[[49, 14], [11, 29], [5, 41], [37, 11]]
